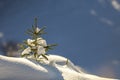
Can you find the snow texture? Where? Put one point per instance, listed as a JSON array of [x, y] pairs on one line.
[[55, 68]]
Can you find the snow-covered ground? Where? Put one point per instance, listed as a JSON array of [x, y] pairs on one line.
[[55, 68]]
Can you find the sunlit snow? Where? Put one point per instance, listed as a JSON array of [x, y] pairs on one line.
[[55, 68]]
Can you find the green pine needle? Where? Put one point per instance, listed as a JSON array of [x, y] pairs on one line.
[[43, 55]]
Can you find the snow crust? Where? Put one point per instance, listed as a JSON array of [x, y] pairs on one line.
[[55, 68]]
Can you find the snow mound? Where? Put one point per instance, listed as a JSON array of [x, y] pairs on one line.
[[55, 68]]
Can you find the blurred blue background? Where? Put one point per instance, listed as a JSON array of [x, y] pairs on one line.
[[87, 32]]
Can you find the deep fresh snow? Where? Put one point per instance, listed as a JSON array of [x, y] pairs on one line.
[[54, 69]]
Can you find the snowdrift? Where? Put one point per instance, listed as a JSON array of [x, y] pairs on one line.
[[55, 68]]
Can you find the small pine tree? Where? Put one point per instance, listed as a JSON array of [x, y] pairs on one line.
[[36, 47]]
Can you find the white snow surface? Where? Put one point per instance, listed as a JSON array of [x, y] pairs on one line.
[[55, 68]]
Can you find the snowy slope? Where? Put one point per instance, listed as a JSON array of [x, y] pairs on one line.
[[53, 69]]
